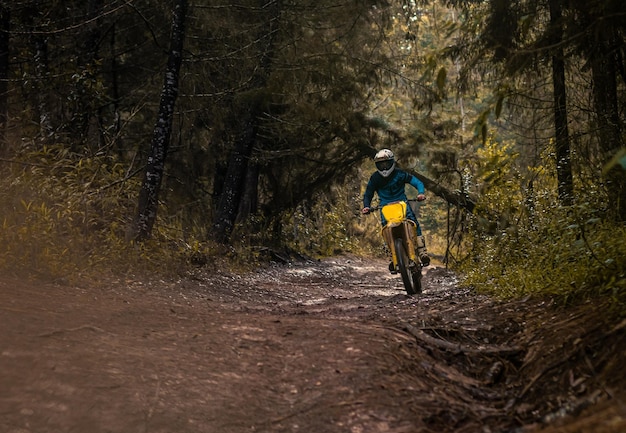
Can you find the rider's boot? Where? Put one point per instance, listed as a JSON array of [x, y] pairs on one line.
[[421, 251]]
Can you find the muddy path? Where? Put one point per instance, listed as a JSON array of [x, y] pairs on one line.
[[331, 346]]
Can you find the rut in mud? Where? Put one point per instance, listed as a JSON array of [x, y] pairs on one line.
[[331, 346]]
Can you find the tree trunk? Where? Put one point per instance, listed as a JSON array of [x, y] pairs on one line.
[[563, 160], [84, 109], [5, 23], [235, 178], [41, 76], [115, 94], [149, 194], [234, 184], [604, 73], [38, 40], [250, 199]]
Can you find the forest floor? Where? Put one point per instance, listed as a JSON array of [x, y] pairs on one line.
[[330, 346]]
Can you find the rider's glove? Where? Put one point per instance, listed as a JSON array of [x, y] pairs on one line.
[[365, 210], [421, 197]]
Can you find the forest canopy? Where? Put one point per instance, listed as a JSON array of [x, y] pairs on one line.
[[168, 133]]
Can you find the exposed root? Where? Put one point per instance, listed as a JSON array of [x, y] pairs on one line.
[[457, 348]]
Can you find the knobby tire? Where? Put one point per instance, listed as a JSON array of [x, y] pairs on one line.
[[416, 274], [403, 264]]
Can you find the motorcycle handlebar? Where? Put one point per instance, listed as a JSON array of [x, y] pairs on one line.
[[372, 209]]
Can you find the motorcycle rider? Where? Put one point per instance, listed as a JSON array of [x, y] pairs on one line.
[[388, 182]]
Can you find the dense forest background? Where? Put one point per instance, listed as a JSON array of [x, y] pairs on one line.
[[163, 134]]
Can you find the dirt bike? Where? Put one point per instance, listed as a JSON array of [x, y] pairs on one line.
[[400, 236]]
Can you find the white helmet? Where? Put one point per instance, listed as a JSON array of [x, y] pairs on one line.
[[385, 162]]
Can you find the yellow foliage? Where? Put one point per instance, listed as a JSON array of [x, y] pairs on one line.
[[64, 215]]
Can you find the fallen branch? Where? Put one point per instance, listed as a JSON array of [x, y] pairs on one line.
[[456, 198], [458, 348]]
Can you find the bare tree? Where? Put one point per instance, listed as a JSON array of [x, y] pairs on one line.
[[149, 194], [563, 159], [4, 71], [235, 182]]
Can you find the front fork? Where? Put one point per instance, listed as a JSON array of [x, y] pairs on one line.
[[407, 230]]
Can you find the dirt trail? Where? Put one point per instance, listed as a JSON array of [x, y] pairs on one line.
[[332, 346]]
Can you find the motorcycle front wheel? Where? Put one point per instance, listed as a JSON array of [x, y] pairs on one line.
[[403, 264], [416, 275]]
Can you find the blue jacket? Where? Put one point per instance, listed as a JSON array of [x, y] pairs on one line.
[[390, 189]]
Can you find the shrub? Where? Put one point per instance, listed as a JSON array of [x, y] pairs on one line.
[[537, 247], [66, 215]]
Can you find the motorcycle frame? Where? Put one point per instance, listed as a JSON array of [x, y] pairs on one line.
[[405, 229]]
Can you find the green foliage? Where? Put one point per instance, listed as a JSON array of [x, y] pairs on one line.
[[537, 247], [569, 259], [326, 226]]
